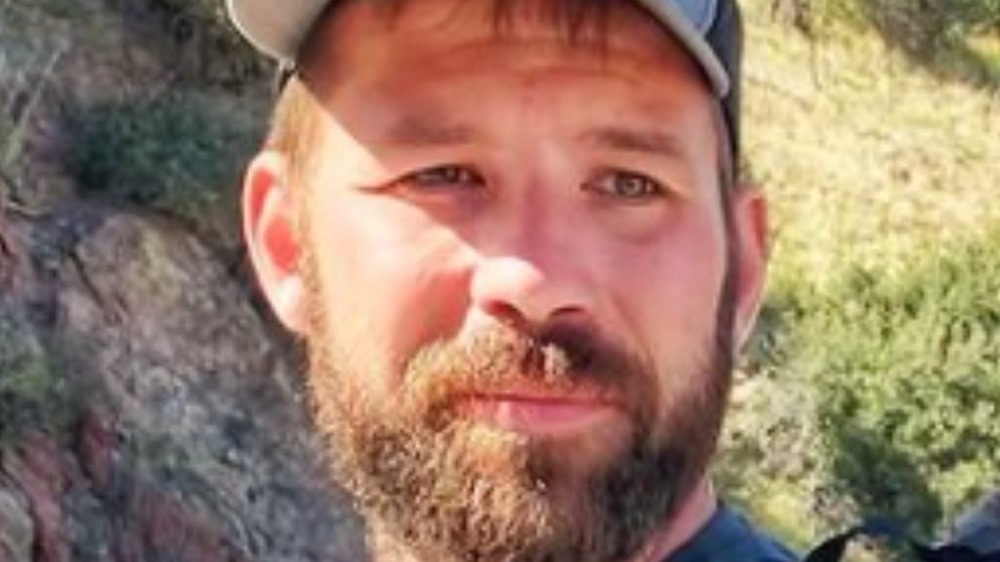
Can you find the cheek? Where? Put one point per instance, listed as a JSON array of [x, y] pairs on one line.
[[388, 282], [671, 288]]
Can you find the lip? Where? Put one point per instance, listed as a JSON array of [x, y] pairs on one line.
[[539, 413]]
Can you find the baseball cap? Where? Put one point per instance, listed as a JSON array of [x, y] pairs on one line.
[[710, 30]]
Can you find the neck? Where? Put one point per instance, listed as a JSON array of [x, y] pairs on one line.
[[693, 513]]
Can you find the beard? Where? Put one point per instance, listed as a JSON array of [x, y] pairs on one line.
[[442, 486]]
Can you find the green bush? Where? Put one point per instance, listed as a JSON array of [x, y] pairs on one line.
[[34, 393], [202, 30], [920, 28], [906, 378], [923, 27], [178, 153]]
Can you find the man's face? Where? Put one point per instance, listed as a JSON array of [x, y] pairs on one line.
[[521, 286]]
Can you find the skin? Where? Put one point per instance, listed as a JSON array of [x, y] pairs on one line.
[[461, 181]]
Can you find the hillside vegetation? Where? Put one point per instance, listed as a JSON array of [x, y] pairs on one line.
[[873, 385]]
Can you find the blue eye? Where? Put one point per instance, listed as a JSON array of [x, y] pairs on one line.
[[627, 185], [444, 177]]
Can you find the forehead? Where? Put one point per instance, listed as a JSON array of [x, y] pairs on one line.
[[504, 71], [365, 31]]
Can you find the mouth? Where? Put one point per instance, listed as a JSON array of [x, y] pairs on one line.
[[540, 413]]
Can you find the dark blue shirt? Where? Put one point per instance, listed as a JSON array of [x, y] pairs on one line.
[[728, 537]]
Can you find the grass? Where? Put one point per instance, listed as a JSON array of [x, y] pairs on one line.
[[868, 160]]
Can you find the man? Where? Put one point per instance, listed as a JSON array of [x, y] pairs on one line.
[[511, 234]]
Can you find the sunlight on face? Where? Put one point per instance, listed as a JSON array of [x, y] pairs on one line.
[[519, 280]]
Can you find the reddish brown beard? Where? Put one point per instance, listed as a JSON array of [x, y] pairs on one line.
[[449, 489]]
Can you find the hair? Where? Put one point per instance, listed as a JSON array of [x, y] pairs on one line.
[[294, 129]]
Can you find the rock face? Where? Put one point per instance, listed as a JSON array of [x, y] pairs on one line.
[[16, 527], [150, 410], [180, 431]]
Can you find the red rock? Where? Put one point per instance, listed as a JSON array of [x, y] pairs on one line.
[[97, 442], [36, 468]]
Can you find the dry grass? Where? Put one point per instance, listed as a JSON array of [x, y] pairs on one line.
[[869, 160]]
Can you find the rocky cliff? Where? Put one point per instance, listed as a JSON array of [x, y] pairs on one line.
[[150, 409]]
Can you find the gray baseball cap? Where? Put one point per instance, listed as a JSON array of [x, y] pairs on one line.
[[710, 30]]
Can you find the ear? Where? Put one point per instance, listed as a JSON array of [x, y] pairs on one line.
[[750, 225], [269, 226]]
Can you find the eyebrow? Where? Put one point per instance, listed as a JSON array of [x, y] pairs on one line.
[[632, 140], [428, 130]]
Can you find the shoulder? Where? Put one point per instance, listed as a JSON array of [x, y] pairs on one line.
[[730, 537], [979, 528]]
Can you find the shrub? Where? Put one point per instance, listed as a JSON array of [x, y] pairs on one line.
[[178, 153], [906, 372], [202, 40], [924, 27], [34, 394], [920, 28]]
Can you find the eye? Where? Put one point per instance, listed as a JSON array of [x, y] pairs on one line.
[[629, 186], [449, 176]]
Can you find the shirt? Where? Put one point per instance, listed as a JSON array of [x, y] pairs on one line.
[[729, 537]]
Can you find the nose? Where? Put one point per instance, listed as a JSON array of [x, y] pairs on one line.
[[537, 261], [528, 289]]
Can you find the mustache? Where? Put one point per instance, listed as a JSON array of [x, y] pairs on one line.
[[556, 357]]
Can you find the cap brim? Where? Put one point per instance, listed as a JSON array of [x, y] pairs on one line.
[[668, 13], [277, 29]]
